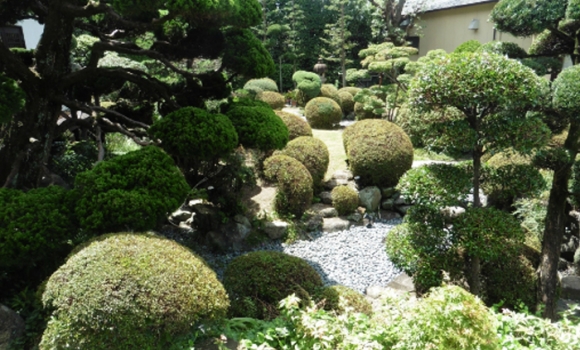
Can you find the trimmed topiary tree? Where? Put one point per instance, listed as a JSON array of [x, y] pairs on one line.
[[308, 85], [259, 127], [129, 291], [273, 99], [330, 91], [323, 113], [134, 191], [378, 151], [260, 85], [344, 199], [468, 46], [256, 282], [296, 125], [340, 298], [312, 153], [346, 102], [350, 89]]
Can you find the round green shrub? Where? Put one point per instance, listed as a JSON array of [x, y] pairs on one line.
[[505, 183], [244, 102], [504, 48], [566, 88], [323, 113], [195, 134], [346, 102], [256, 282], [468, 46], [362, 113], [508, 158], [344, 199], [308, 84], [295, 188], [296, 125], [351, 299], [350, 89], [259, 127], [273, 99], [262, 84], [129, 291], [134, 191], [379, 152], [330, 91], [312, 153]]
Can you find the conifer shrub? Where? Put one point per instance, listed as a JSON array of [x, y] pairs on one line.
[[294, 184], [346, 102], [323, 113], [133, 191], [256, 282], [308, 84], [273, 99], [504, 48], [330, 91], [468, 46], [351, 299], [379, 152], [262, 84], [362, 113], [259, 127], [350, 89], [296, 125], [344, 199], [129, 291], [312, 153]]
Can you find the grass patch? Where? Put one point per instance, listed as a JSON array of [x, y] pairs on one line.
[[333, 140]]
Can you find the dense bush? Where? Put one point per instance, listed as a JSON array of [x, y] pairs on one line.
[[256, 282], [468, 46], [193, 133], [37, 229], [323, 113], [129, 291], [350, 89], [504, 48], [259, 127], [133, 191], [71, 158], [12, 97], [312, 153], [330, 91], [273, 99], [294, 184], [508, 157], [506, 183], [346, 102], [340, 298], [262, 84], [365, 111], [296, 125], [308, 84], [566, 88], [378, 151], [344, 199]]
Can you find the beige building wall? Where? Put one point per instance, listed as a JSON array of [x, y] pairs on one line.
[[447, 29]]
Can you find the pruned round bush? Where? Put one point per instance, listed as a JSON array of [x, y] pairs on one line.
[[194, 133], [323, 113], [129, 291], [350, 89], [256, 282], [294, 184], [468, 46], [504, 48], [508, 158], [296, 125], [273, 99], [312, 153], [346, 102], [351, 299], [344, 199], [379, 152], [262, 84], [133, 191], [244, 102], [259, 127], [566, 89], [330, 91], [308, 84]]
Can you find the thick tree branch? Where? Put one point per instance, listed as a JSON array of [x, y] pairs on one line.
[[91, 9], [119, 128], [15, 69], [89, 109]]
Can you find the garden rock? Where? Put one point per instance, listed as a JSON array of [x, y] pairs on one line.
[[315, 223], [356, 217], [332, 183], [403, 209], [343, 175], [11, 327], [206, 218], [329, 213], [335, 225], [568, 249], [276, 229], [388, 192], [400, 201], [387, 215], [370, 198], [180, 215], [240, 219], [325, 197], [375, 292], [388, 204], [571, 287]]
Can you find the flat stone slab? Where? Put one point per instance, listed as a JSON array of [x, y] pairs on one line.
[[403, 283], [335, 225]]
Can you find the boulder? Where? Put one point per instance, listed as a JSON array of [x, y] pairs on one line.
[[180, 215], [388, 204], [571, 287], [276, 229], [206, 218], [403, 209], [370, 198], [356, 217], [240, 219], [325, 197], [388, 192], [335, 225], [11, 327], [388, 215], [329, 213], [314, 223], [332, 183]]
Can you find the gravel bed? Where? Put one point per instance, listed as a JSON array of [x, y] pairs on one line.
[[355, 258]]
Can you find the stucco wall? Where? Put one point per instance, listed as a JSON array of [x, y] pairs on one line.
[[446, 29]]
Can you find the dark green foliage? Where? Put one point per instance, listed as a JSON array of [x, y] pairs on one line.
[[129, 291], [549, 43], [12, 97], [196, 134], [543, 65], [378, 151], [504, 48], [26, 56], [256, 282], [264, 84], [575, 190], [296, 125], [351, 299], [468, 46], [344, 199], [255, 60], [273, 99], [566, 88], [312, 153], [36, 230], [259, 127], [323, 113], [346, 102], [134, 191], [72, 158], [294, 182], [527, 17], [308, 83]]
